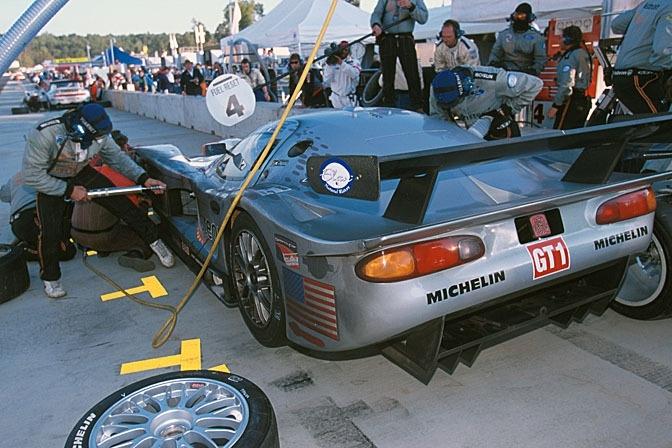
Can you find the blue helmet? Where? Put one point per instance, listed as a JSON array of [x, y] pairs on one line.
[[88, 123], [451, 86]]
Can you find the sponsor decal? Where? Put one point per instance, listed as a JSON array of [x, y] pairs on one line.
[[511, 80], [529, 37], [81, 431], [285, 249], [336, 176], [311, 304], [548, 257], [210, 229], [566, 68], [485, 75], [184, 246], [621, 238], [540, 226], [196, 385], [465, 287], [272, 190], [46, 124]]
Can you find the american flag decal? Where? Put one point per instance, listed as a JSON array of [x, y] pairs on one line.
[[311, 303]]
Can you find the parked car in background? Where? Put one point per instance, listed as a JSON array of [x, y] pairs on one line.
[[66, 93]]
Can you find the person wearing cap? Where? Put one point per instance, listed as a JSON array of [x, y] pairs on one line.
[[341, 74], [56, 165], [643, 61], [484, 98], [520, 47], [397, 42], [571, 105]]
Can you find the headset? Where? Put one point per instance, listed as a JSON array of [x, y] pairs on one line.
[[456, 28]]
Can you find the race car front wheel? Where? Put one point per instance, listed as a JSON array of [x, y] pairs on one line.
[[255, 283], [646, 292], [197, 408]]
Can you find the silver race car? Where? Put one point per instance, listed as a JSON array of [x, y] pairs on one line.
[[389, 229]]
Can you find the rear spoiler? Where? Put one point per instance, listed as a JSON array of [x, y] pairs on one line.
[[603, 147]]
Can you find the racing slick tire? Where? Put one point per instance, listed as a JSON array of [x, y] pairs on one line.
[[14, 278], [646, 292], [231, 409], [256, 286], [372, 93]]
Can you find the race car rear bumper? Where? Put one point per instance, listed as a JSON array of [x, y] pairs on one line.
[[460, 337]]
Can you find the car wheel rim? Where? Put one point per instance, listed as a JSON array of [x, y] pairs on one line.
[[252, 278], [645, 277], [176, 413]]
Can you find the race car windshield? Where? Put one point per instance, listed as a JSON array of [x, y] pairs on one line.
[[66, 84], [245, 153]]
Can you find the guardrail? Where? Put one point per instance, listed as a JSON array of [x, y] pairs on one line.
[[189, 112]]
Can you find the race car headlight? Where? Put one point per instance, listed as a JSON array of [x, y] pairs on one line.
[[416, 260], [627, 206]]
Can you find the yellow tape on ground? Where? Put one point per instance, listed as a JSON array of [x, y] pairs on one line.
[[152, 285]]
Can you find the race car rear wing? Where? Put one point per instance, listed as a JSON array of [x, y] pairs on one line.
[[603, 148]]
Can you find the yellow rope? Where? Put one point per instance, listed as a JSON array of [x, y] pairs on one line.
[[166, 330]]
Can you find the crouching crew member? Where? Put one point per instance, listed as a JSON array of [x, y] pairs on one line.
[[56, 164], [23, 219], [644, 57], [485, 98], [571, 105]]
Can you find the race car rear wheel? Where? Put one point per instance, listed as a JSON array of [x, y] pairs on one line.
[[255, 283], [646, 292], [197, 408]]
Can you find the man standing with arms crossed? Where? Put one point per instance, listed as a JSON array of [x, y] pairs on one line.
[[397, 42]]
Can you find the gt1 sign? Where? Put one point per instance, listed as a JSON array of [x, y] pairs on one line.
[[548, 257], [230, 99]]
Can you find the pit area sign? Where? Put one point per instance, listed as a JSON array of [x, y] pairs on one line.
[[230, 99]]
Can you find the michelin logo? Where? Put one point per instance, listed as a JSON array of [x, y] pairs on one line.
[[465, 287], [621, 238]]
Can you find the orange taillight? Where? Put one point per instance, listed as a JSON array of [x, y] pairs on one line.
[[419, 259], [627, 206]]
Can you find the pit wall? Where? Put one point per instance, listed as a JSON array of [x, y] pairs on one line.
[[189, 112]]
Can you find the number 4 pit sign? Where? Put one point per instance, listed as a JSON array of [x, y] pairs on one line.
[[548, 257], [230, 99]]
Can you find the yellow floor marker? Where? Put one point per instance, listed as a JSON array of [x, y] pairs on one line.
[[220, 368], [152, 285], [189, 358]]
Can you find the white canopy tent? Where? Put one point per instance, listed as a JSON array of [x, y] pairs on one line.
[[437, 16], [296, 24], [487, 10]]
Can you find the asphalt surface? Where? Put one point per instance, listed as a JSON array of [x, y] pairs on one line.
[[604, 383]]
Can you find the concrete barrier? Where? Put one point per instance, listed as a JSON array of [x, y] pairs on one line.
[[189, 112]]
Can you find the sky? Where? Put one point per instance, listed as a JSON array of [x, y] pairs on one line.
[[136, 16]]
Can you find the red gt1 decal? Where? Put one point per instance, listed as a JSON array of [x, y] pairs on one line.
[[549, 256]]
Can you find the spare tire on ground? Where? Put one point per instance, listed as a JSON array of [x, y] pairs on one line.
[[190, 408], [14, 278]]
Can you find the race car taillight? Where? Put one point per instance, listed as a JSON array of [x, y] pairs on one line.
[[416, 260], [627, 206]]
